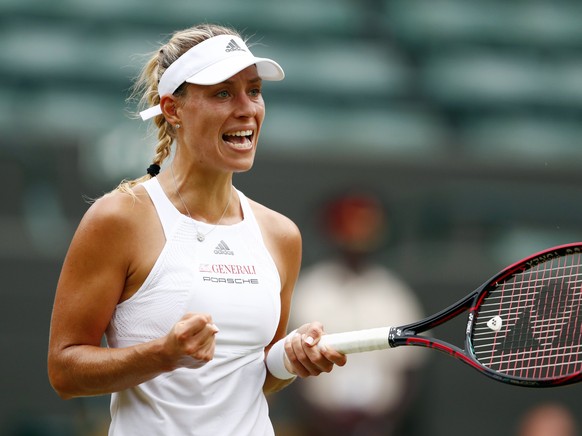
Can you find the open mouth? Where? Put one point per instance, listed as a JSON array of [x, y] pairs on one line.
[[242, 139]]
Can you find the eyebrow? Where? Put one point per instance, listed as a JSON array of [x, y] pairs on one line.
[[253, 80]]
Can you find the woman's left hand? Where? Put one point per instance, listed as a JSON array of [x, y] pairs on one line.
[[305, 357]]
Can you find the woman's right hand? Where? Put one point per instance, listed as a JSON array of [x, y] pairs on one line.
[[192, 340]]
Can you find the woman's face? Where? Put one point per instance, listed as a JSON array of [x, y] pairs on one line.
[[221, 123]]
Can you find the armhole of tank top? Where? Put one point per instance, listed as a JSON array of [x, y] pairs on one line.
[[167, 213], [253, 224]]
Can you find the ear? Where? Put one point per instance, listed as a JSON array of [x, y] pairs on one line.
[[169, 106]]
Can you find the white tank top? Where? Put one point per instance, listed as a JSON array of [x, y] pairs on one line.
[[232, 277]]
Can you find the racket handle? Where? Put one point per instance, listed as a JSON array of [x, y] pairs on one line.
[[357, 341]]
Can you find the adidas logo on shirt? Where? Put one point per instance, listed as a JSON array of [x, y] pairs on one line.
[[233, 46], [222, 248]]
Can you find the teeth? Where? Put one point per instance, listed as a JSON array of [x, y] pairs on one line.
[[240, 133]]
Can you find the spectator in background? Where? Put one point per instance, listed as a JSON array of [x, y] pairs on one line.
[[548, 419], [349, 292]]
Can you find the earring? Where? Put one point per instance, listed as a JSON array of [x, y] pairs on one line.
[[178, 126]]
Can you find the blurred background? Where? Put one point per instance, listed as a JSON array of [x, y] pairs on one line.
[[464, 116]]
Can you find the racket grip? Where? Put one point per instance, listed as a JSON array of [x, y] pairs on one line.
[[357, 341]]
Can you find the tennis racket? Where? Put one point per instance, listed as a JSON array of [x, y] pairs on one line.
[[524, 325]]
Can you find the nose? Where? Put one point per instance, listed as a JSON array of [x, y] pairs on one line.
[[246, 107]]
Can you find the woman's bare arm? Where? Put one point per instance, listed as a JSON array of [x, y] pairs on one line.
[[100, 269]]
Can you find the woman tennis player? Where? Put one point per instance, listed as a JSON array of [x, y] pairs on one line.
[[189, 280]]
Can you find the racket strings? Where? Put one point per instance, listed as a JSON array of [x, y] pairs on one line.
[[529, 325]]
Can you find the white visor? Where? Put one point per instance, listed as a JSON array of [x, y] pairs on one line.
[[210, 62]]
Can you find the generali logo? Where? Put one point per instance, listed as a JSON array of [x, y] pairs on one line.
[[227, 269]]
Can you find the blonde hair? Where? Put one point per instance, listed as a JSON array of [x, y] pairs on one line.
[[145, 88]]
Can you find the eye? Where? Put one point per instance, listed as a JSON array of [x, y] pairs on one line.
[[255, 92], [223, 94]]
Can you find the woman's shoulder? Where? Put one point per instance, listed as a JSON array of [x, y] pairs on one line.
[[117, 209], [283, 240], [273, 222]]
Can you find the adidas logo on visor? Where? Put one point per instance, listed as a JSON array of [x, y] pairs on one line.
[[233, 46], [222, 248]]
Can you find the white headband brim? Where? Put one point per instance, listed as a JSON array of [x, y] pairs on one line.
[[210, 62]]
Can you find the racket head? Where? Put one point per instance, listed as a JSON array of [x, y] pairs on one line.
[[525, 325]]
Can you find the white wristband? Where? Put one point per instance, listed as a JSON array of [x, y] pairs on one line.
[[276, 359]]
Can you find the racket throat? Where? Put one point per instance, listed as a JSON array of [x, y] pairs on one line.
[[399, 336]]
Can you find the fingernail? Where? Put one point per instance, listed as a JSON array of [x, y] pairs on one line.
[[309, 340]]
